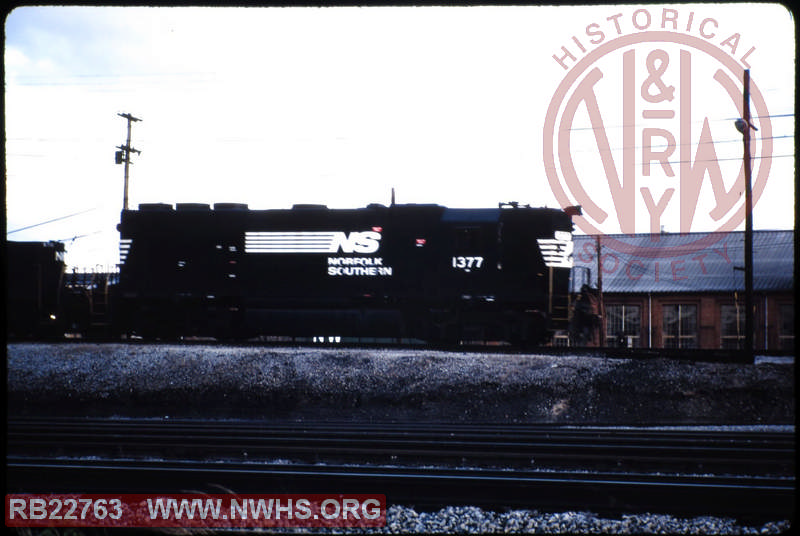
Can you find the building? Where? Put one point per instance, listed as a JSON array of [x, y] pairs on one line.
[[687, 290]]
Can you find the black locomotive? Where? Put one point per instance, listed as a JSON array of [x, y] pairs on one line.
[[404, 271]]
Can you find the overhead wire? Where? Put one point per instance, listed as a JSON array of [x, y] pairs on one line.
[[664, 145], [73, 238], [51, 221], [721, 120]]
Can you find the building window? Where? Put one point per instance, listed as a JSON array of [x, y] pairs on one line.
[[623, 325], [786, 326], [680, 325], [732, 327]]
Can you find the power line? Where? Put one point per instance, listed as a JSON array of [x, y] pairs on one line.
[[73, 238], [664, 145], [108, 79], [722, 120], [656, 162], [51, 221], [770, 116], [770, 157]]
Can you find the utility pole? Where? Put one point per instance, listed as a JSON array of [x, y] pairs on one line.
[[124, 156], [600, 305], [748, 221]]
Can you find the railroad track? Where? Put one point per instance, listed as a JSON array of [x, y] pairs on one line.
[[517, 446], [726, 472], [742, 497]]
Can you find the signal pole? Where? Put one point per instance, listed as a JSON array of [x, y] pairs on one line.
[[124, 156]]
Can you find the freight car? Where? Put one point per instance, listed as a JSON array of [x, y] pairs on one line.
[[409, 271], [34, 281]]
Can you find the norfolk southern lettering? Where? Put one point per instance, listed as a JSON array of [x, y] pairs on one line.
[[358, 266], [364, 242]]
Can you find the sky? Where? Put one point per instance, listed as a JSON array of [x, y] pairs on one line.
[[338, 106]]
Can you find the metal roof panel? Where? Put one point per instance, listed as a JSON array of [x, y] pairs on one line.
[[718, 267]]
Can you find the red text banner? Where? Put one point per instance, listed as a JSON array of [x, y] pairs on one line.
[[195, 510]]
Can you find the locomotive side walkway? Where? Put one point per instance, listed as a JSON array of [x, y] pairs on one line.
[[369, 385]]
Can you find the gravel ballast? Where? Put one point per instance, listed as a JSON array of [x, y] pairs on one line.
[[393, 384], [195, 381], [459, 520]]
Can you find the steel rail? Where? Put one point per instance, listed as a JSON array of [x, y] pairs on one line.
[[743, 497], [524, 446]]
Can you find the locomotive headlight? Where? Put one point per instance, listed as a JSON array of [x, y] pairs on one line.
[[565, 236], [52, 317]]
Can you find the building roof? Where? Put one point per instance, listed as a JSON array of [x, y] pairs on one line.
[[692, 262]]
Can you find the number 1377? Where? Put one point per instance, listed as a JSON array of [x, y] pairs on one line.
[[467, 263]]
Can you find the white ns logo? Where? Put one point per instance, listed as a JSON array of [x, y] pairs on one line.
[[358, 242]]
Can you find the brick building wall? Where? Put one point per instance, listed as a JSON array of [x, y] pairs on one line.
[[707, 321], [689, 299]]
